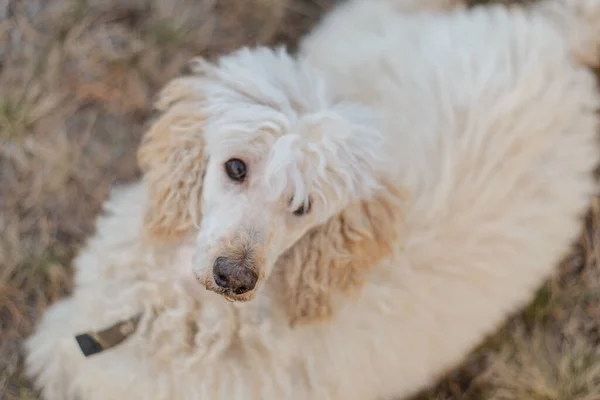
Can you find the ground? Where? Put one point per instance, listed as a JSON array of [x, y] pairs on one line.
[[77, 80]]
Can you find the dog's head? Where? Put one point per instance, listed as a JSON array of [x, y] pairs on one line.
[[254, 159]]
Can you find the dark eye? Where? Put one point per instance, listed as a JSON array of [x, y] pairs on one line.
[[303, 209], [236, 169]]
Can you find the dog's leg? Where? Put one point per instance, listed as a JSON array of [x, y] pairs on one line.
[[580, 21], [51, 356]]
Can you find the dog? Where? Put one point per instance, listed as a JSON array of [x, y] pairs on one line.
[[348, 222]]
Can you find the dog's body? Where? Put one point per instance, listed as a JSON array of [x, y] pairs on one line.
[[489, 122]]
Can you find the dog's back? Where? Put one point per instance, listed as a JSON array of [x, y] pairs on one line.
[[493, 127]]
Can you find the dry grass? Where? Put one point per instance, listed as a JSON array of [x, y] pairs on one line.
[[77, 79]]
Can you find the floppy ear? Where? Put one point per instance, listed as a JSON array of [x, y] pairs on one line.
[[173, 162], [333, 259]]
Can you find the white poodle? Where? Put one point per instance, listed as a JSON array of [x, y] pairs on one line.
[[362, 214]]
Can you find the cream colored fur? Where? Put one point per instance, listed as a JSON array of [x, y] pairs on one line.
[[424, 238]]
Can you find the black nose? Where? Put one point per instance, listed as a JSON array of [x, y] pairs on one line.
[[233, 275]]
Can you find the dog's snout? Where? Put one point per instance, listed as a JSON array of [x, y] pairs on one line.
[[233, 275]]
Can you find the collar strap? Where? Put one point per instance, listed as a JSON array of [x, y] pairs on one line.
[[95, 342]]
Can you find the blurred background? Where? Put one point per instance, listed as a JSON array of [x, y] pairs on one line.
[[77, 80]]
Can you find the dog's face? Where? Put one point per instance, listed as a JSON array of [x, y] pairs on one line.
[[248, 156], [261, 195], [247, 223]]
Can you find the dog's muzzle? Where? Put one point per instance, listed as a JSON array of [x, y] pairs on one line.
[[234, 275]]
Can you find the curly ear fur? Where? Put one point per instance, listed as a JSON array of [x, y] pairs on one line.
[[333, 258], [172, 160]]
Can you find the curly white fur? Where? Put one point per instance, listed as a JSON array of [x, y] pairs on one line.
[[484, 118]]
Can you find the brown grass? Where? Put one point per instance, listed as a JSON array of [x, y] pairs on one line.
[[77, 78]]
